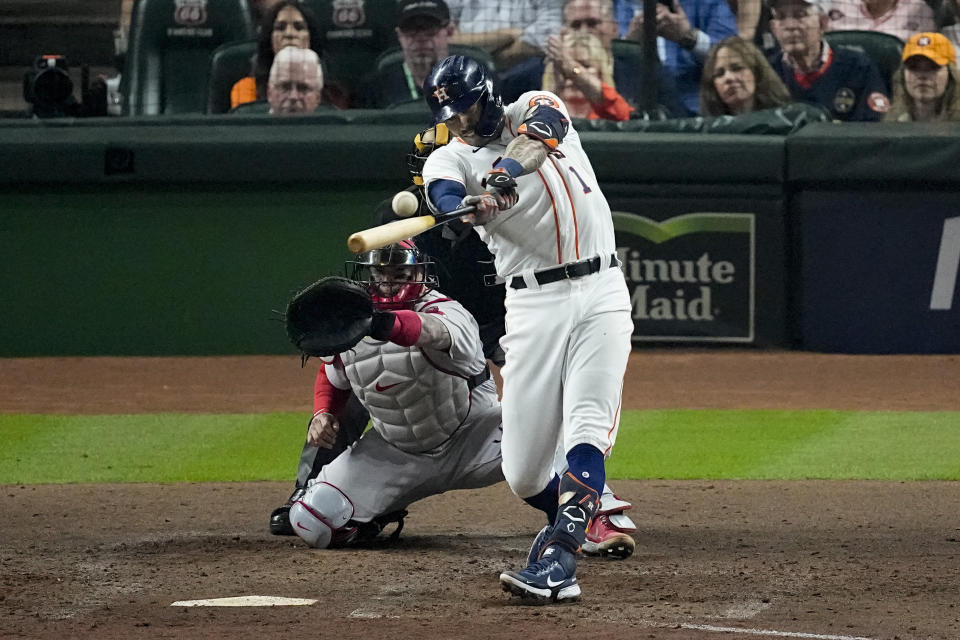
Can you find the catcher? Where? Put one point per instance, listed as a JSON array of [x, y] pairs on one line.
[[413, 359]]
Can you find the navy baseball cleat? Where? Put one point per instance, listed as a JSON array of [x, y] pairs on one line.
[[538, 543], [552, 578]]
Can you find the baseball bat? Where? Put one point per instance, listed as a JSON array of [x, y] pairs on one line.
[[381, 236]]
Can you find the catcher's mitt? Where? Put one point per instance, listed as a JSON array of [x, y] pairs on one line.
[[329, 316]]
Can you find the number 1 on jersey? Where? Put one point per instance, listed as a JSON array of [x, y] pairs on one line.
[[586, 189]]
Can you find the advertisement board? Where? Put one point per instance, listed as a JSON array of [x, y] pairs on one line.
[[879, 271], [691, 277]]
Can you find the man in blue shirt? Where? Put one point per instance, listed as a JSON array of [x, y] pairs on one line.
[[596, 17], [844, 81], [686, 30]]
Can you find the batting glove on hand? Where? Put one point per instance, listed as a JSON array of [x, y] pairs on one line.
[[502, 186]]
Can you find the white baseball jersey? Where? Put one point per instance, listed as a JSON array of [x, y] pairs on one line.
[[566, 342], [561, 215]]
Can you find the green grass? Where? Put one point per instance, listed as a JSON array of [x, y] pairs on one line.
[[767, 444], [652, 444]]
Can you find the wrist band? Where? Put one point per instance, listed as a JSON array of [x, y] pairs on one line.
[[511, 166]]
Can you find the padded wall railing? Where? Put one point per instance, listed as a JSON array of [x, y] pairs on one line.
[[183, 235]]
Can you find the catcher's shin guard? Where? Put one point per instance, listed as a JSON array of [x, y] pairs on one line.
[[578, 505], [322, 516]]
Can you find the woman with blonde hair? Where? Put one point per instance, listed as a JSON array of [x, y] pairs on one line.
[[580, 71], [925, 86], [737, 79]]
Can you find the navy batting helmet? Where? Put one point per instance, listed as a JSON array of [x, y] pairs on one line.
[[457, 83]]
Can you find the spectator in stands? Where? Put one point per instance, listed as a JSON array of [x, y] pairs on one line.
[[926, 87], [580, 71], [594, 17], [424, 30], [686, 29], [737, 79], [509, 30], [844, 81], [296, 82], [747, 13], [287, 23], [896, 17]]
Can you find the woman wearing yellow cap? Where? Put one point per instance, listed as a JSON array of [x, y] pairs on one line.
[[926, 87]]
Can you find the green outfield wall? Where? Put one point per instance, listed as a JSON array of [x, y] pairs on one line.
[[187, 235]]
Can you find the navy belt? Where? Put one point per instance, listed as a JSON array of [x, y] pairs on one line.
[[564, 271]]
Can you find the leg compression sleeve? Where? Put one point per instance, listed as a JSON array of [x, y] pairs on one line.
[[586, 465], [546, 500]]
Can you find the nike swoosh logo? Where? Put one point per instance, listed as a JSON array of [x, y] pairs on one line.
[[389, 386], [551, 583], [305, 529]]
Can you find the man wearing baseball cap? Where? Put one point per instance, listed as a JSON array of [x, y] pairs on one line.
[[844, 81], [424, 30], [925, 87]]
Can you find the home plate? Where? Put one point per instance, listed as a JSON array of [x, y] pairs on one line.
[[245, 601]]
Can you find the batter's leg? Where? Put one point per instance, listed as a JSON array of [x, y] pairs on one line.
[[532, 398]]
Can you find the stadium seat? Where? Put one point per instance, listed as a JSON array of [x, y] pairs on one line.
[[168, 56], [229, 63], [884, 49]]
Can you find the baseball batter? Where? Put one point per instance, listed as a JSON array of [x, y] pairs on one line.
[[432, 403], [568, 325]]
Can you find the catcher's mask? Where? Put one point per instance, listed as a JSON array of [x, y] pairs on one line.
[[423, 145], [397, 275]]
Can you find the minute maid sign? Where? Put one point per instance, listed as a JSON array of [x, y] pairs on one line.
[[691, 277]]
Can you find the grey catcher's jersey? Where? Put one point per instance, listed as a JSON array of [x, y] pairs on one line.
[[418, 397]]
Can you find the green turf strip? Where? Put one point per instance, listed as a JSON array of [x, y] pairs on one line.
[[652, 444]]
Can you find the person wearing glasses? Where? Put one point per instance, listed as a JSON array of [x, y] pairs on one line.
[[424, 30], [843, 80]]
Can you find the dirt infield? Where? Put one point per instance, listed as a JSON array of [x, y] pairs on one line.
[[827, 560]]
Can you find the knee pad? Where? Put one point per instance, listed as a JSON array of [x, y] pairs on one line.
[[320, 516]]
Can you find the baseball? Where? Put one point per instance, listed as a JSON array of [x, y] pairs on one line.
[[405, 204]]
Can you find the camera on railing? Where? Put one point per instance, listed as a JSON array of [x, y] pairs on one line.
[[48, 89]]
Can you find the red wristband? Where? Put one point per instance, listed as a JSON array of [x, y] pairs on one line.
[[406, 328]]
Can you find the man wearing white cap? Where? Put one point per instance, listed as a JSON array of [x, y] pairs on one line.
[[844, 81]]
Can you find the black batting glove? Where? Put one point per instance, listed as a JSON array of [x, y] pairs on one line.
[[381, 325], [503, 187]]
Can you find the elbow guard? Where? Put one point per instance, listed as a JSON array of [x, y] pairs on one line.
[[547, 125]]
